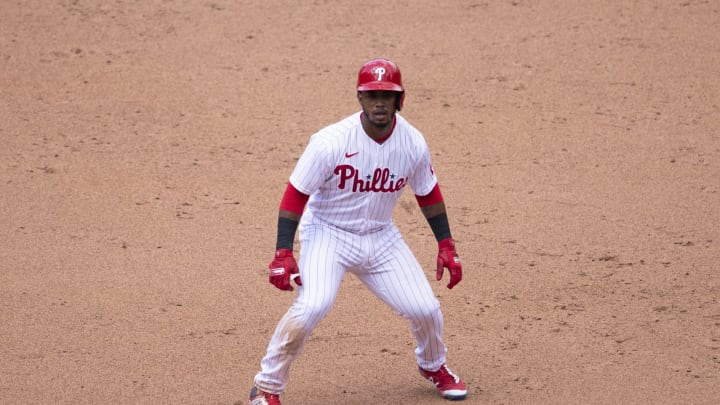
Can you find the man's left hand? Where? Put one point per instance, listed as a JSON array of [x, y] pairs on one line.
[[448, 257]]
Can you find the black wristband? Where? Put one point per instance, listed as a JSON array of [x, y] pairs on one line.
[[440, 226], [285, 233]]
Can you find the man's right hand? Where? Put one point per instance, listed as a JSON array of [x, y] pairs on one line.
[[282, 268]]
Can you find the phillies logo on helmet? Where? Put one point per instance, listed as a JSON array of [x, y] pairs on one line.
[[381, 181], [379, 72]]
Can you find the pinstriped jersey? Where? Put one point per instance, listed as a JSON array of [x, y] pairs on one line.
[[354, 182]]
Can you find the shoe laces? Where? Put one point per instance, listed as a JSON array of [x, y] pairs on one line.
[[450, 373]]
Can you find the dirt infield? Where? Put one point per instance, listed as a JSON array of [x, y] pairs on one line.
[[146, 145]]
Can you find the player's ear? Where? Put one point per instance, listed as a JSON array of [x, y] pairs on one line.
[[359, 96]]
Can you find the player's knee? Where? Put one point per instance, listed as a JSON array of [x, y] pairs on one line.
[[312, 312], [426, 312]]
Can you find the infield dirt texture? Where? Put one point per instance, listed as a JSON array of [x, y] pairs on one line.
[[145, 146]]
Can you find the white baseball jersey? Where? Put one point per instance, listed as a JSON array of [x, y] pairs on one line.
[[354, 182]]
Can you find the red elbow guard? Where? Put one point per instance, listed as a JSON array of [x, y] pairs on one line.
[[434, 197], [293, 200]]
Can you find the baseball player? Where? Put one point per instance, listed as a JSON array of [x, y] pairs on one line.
[[341, 194]]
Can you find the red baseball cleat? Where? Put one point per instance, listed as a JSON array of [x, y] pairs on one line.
[[258, 397], [450, 386]]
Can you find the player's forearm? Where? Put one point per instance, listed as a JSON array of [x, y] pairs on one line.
[[286, 228], [433, 210], [291, 208], [432, 206], [289, 215], [440, 226]]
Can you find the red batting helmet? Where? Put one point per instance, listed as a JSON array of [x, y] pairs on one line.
[[381, 74]]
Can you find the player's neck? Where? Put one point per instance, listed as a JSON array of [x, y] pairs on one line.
[[378, 134]]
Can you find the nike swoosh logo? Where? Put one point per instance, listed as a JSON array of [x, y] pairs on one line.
[[349, 155]]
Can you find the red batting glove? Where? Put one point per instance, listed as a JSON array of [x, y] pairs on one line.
[[282, 268], [448, 257]]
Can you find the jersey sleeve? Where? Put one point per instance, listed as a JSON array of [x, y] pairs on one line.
[[313, 167], [423, 179]]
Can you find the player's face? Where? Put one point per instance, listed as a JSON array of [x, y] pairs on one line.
[[378, 106]]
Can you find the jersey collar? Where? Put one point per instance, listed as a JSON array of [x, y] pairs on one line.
[[385, 138]]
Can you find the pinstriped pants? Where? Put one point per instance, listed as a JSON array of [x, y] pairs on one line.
[[384, 263]]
